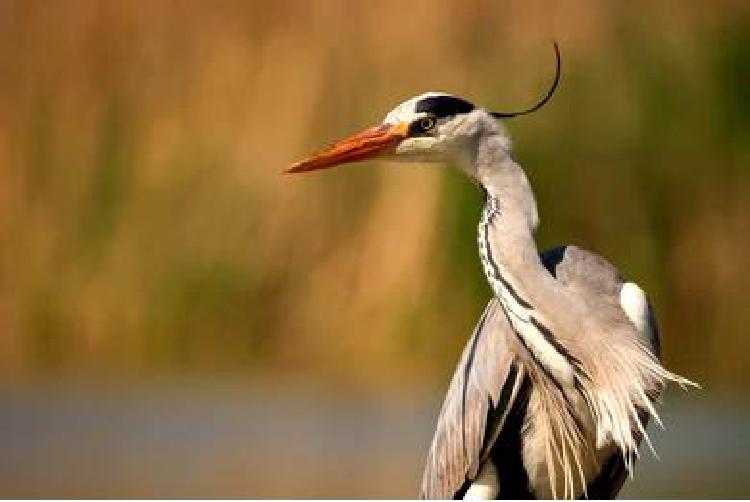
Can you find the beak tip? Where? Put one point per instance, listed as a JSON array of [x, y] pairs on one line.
[[294, 168], [364, 145]]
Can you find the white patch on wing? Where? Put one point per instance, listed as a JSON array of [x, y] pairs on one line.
[[635, 304]]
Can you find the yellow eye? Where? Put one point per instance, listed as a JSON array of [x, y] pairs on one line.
[[427, 123]]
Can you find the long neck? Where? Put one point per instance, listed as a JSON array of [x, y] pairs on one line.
[[510, 257], [510, 205]]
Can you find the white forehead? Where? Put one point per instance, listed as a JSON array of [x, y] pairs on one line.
[[405, 112]]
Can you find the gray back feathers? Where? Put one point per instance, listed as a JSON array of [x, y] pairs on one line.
[[564, 452]]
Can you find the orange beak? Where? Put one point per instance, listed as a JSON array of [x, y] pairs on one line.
[[364, 145]]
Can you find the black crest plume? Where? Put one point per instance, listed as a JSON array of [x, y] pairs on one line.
[[544, 100]]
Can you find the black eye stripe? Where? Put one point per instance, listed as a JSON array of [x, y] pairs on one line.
[[443, 106]]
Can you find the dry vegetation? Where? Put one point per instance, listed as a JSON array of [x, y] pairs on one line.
[[145, 226]]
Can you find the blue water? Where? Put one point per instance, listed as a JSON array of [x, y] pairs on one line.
[[231, 439]]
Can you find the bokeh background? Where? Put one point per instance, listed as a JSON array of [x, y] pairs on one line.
[[179, 319]]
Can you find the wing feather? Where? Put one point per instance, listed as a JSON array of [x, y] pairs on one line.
[[480, 396]]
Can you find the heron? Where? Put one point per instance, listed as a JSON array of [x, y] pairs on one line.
[[555, 386]]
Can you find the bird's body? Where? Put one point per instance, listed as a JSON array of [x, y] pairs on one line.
[[553, 391], [521, 411]]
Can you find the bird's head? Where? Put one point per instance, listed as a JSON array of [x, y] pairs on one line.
[[431, 127]]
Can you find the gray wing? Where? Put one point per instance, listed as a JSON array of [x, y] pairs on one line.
[[481, 393], [488, 380], [593, 275]]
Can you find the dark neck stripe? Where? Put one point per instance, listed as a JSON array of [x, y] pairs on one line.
[[494, 273], [443, 106], [544, 369], [550, 338], [532, 355], [496, 270]]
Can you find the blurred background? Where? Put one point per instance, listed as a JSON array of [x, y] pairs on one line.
[[179, 319]]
